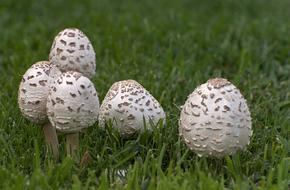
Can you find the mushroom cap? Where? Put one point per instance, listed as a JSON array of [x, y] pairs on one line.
[[126, 104], [72, 51], [215, 119], [33, 90], [73, 103]]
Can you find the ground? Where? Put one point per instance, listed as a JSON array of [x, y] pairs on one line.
[[170, 47]]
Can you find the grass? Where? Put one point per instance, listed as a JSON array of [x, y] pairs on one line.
[[170, 47]]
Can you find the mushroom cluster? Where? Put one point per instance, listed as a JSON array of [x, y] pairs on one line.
[[215, 119], [60, 91]]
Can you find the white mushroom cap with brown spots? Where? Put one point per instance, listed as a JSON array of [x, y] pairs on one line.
[[126, 104], [33, 90], [215, 119], [73, 103], [73, 51]]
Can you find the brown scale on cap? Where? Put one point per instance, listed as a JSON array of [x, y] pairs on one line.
[[126, 103], [218, 82]]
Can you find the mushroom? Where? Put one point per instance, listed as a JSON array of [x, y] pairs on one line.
[[215, 119], [128, 104], [72, 51], [72, 105], [32, 97]]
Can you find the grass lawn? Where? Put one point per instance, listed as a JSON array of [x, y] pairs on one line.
[[170, 47]]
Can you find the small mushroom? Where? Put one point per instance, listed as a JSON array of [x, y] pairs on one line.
[[32, 97], [72, 51], [72, 105], [128, 104], [215, 119]]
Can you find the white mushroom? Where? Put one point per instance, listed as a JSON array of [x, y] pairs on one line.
[[215, 119], [128, 104], [72, 105], [73, 51], [32, 97]]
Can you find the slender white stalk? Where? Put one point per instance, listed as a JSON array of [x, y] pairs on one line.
[[51, 139]]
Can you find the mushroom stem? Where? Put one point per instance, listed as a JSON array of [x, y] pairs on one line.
[[51, 139], [72, 144]]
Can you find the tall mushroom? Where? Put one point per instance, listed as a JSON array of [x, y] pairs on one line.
[[32, 97], [72, 51], [72, 105], [128, 104], [215, 119]]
